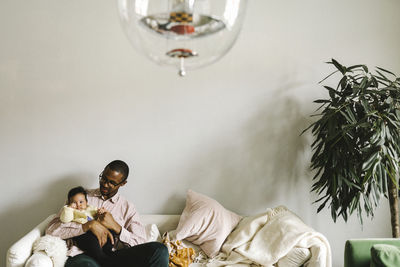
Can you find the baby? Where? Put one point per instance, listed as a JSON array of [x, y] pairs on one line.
[[77, 210]]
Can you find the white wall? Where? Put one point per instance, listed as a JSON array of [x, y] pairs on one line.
[[75, 95]]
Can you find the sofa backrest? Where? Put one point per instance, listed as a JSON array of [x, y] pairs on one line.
[[164, 222]]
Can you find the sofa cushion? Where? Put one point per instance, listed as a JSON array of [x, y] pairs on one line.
[[205, 223], [383, 255], [39, 259], [152, 233], [297, 256]]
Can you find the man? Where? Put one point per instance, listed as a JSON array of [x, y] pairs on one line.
[[121, 218]]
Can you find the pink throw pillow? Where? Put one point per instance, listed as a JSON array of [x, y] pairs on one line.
[[205, 223]]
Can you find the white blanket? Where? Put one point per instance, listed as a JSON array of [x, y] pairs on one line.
[[265, 238]]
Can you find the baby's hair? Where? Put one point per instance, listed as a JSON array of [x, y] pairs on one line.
[[76, 190]]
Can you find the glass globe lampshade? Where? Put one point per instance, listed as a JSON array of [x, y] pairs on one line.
[[185, 34]]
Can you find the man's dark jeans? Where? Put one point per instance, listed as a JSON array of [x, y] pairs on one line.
[[152, 254], [89, 243]]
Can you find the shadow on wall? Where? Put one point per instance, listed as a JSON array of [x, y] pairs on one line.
[[262, 164], [20, 219]]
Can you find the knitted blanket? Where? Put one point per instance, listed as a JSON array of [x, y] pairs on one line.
[[265, 238]]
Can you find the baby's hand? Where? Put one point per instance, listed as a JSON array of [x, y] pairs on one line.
[[73, 205], [102, 210]]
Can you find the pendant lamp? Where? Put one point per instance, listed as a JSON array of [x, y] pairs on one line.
[[185, 34]]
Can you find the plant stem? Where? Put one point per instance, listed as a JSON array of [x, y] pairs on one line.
[[394, 208]]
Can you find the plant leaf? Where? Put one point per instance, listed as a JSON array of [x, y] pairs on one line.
[[383, 76], [341, 68], [386, 71], [322, 101], [328, 76]]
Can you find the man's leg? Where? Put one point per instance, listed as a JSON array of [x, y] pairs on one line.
[[152, 254], [81, 260], [89, 243]]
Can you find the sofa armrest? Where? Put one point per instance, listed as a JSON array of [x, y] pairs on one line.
[[21, 250], [357, 252]]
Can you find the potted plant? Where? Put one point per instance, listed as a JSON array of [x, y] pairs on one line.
[[356, 151]]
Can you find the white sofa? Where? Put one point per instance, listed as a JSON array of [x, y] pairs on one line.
[[19, 254]]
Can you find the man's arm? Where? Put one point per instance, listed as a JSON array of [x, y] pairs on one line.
[[99, 231], [134, 231], [131, 232], [107, 220]]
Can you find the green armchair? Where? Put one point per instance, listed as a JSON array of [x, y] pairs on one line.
[[372, 252]]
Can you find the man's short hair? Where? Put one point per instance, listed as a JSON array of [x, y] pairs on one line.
[[76, 190], [119, 166]]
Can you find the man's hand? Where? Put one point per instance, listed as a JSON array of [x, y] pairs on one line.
[[100, 231], [106, 219]]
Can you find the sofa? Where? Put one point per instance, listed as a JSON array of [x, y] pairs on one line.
[[374, 252], [20, 253], [275, 237]]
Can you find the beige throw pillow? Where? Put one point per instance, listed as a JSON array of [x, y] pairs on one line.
[[205, 223]]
